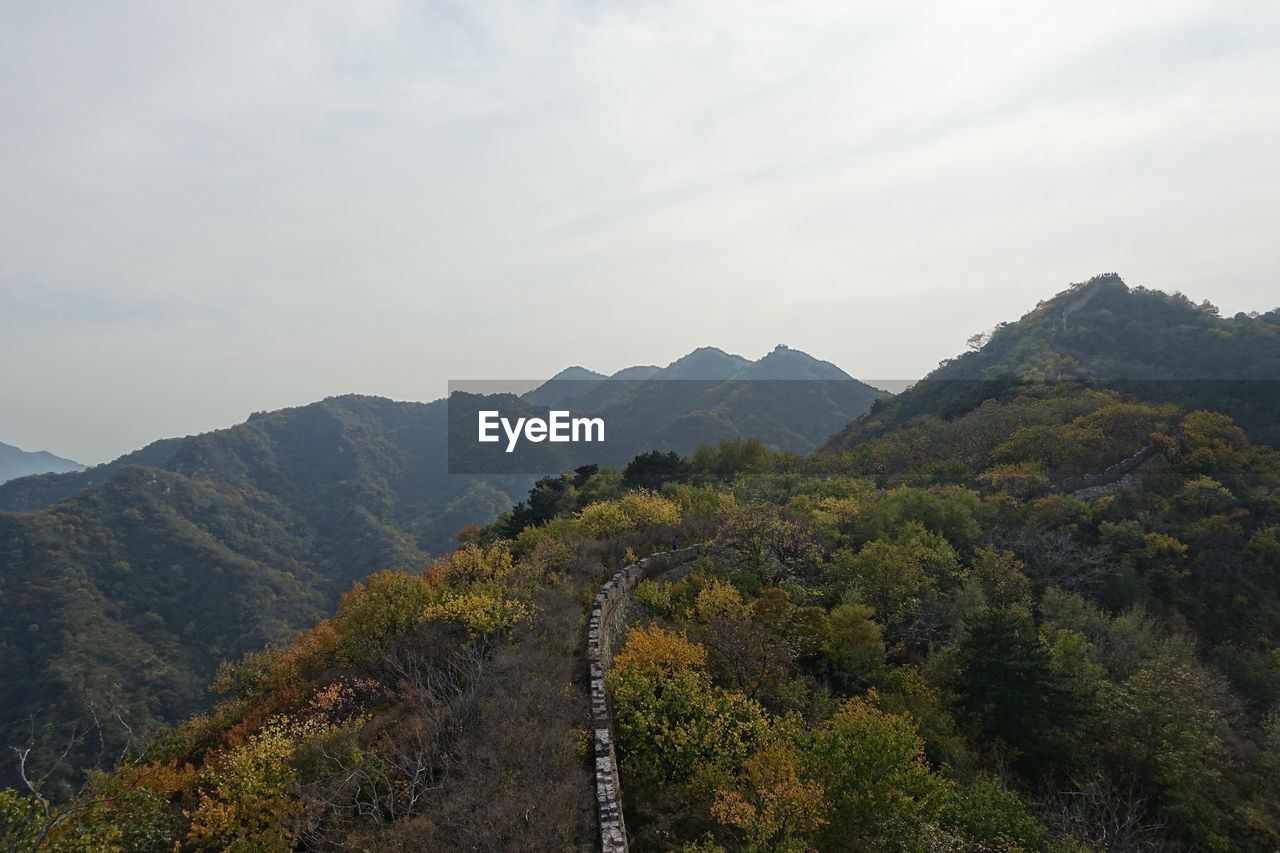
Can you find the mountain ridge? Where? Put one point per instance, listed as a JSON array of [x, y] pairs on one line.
[[1148, 344], [280, 514], [16, 462]]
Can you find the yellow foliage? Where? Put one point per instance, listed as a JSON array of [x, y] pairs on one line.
[[1162, 545], [606, 518], [245, 806], [771, 803], [700, 500], [473, 564], [478, 611], [168, 779], [547, 553], [671, 718], [830, 513], [559, 531], [720, 600], [657, 651], [1022, 481], [637, 509], [464, 587], [385, 605], [654, 595], [648, 508]]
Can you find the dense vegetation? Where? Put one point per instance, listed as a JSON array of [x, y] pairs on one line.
[[936, 634], [441, 708], [126, 584], [967, 662], [989, 664], [1153, 346]]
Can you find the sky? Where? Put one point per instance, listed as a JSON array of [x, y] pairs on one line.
[[209, 209]]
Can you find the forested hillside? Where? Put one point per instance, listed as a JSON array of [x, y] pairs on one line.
[[1153, 346], [962, 663], [127, 583], [1047, 618]]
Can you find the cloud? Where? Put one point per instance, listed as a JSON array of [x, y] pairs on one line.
[[377, 196]]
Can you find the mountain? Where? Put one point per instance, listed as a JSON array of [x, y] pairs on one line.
[[705, 363], [37, 491], [162, 564], [640, 371], [948, 636], [137, 577], [1149, 345], [15, 462], [788, 399], [786, 363], [1020, 609], [548, 393]]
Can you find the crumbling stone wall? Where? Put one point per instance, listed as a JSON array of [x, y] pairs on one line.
[[1118, 476], [604, 630]]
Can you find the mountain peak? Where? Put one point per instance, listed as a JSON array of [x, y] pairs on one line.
[[1163, 346], [16, 462], [705, 363], [783, 362], [577, 373], [567, 383]]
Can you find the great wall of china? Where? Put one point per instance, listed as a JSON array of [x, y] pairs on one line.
[[605, 628], [1122, 475]]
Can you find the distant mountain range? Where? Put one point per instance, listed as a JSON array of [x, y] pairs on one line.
[[15, 462], [133, 579], [705, 364], [787, 399]]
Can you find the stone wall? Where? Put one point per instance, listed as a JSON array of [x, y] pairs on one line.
[[604, 631], [1114, 478]]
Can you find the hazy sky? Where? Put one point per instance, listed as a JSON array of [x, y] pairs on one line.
[[212, 208]]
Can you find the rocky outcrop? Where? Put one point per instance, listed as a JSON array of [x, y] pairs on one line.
[[604, 630]]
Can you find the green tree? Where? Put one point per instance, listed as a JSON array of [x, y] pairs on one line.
[[1007, 686], [880, 791], [654, 469]]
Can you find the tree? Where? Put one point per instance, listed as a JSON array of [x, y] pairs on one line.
[[732, 456], [1007, 686], [653, 470], [549, 497], [855, 650], [948, 510], [1167, 737], [672, 721], [894, 576], [987, 812], [771, 803], [247, 805], [880, 791], [631, 511], [1000, 576]]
